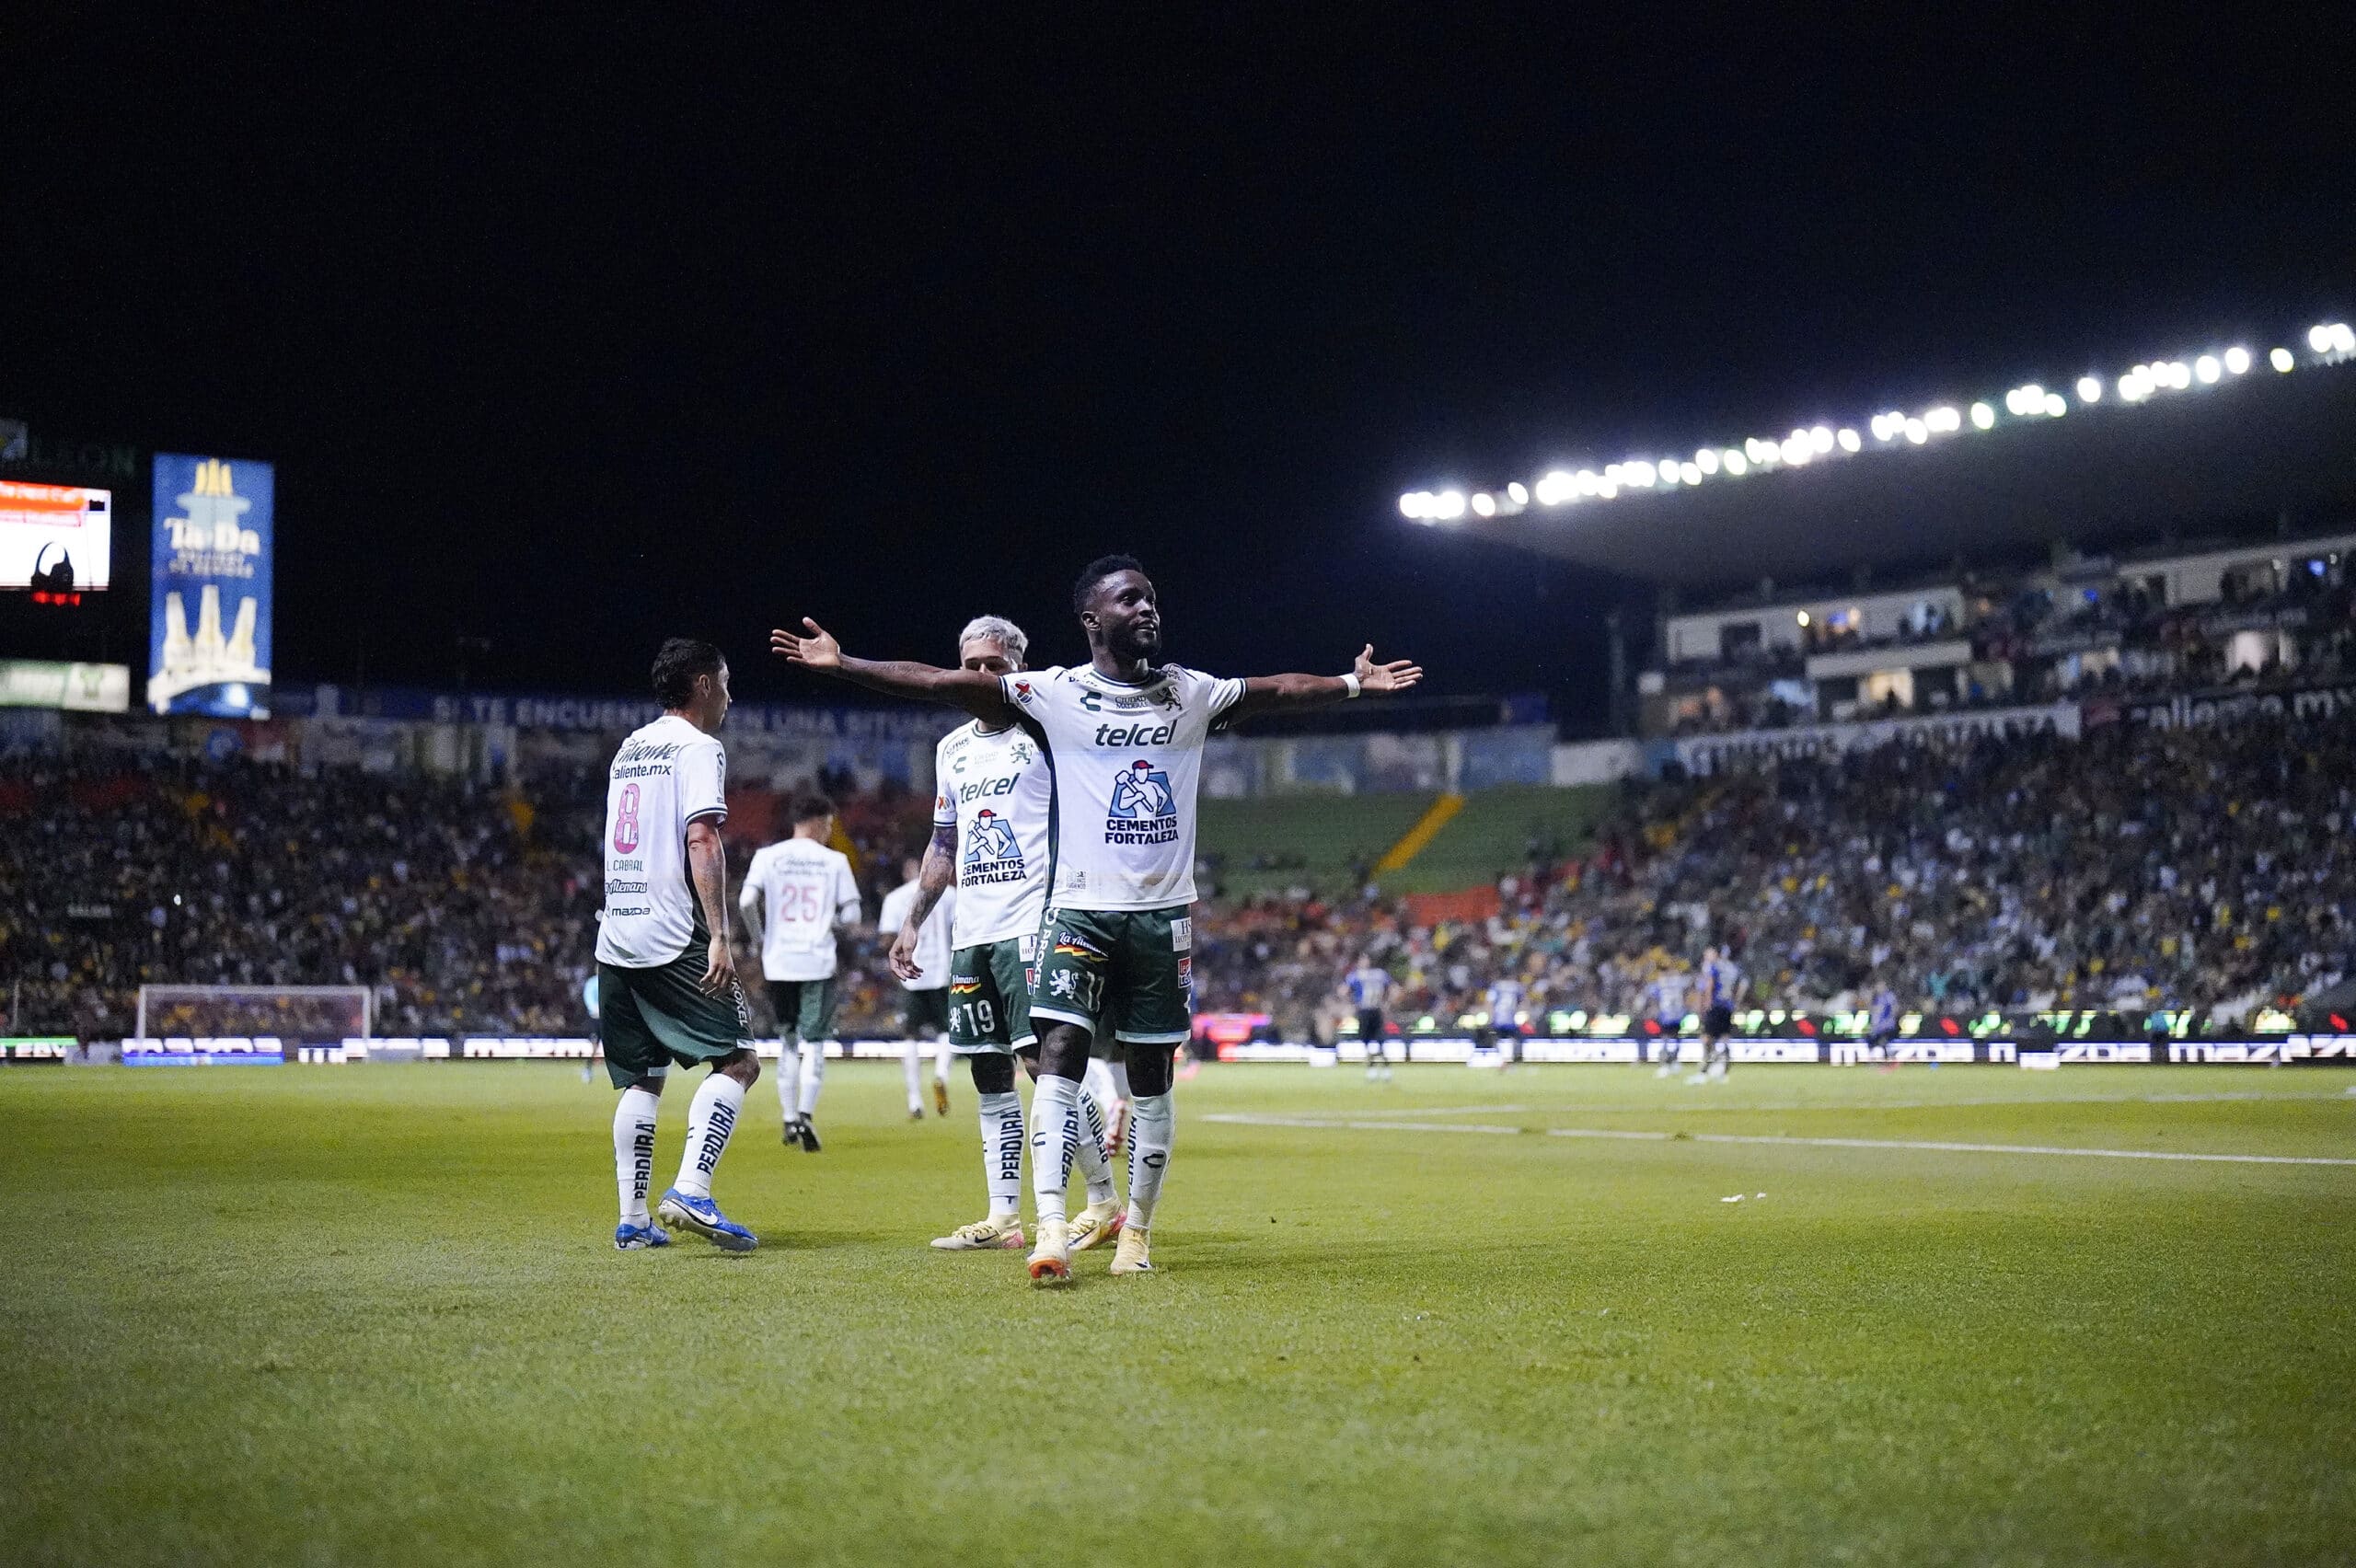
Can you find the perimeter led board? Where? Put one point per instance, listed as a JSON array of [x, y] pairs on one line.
[[55, 539]]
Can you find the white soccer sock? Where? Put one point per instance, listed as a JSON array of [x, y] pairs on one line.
[[712, 1116], [1002, 1151], [1098, 1082], [911, 1065], [1055, 1140], [813, 1073], [789, 1078], [940, 1055], [634, 1151], [1153, 1119], [1095, 1168], [1119, 1072]]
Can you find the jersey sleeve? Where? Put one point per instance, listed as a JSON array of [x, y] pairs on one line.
[[1216, 695], [755, 879], [703, 782], [944, 804]]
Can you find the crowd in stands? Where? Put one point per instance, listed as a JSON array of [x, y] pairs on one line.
[[2117, 640], [2202, 868], [2211, 869]]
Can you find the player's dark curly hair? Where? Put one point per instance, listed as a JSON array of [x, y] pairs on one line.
[[1096, 572], [681, 659], [809, 806]]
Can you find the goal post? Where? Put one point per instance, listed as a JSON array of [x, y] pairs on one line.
[[288, 1012]]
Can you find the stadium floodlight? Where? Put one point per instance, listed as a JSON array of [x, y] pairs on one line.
[[1589, 481], [2280, 360], [1448, 506], [1796, 449], [1917, 431], [2135, 385], [1484, 504], [2319, 339], [2343, 338], [1555, 488], [1637, 472], [1943, 419], [1849, 440], [1607, 489], [2207, 370], [1689, 472], [2237, 360], [1982, 417], [1737, 464], [1706, 460], [1414, 504], [2023, 402], [1820, 437], [2056, 405], [1519, 494], [1802, 618], [2179, 374], [2090, 389]]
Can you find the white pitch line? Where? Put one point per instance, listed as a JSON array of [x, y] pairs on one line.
[[1944, 1147], [1438, 1111], [1240, 1119]]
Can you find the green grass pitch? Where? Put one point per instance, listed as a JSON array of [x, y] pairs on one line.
[[372, 1314]]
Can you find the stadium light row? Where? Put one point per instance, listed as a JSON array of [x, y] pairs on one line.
[[2330, 343]]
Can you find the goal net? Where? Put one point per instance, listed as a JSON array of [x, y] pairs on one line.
[[315, 1013]]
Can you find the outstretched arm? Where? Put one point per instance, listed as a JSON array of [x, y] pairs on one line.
[[939, 869], [973, 690], [1275, 694]]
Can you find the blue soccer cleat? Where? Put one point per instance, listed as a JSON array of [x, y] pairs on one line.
[[638, 1238], [677, 1211]]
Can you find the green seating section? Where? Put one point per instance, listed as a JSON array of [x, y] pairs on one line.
[[1325, 833], [1491, 836]]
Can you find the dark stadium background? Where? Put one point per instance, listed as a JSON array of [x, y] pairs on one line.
[[568, 334]]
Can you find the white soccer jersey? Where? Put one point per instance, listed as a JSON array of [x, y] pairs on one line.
[[994, 788], [803, 891], [1126, 760], [665, 776], [932, 937]]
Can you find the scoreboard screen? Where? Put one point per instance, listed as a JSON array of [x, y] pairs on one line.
[[55, 539]]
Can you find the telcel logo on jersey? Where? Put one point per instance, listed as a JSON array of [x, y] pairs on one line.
[[1143, 810], [1123, 736]]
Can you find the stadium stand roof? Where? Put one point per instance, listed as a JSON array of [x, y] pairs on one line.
[[2258, 446]]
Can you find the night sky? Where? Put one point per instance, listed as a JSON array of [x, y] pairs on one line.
[[569, 336]]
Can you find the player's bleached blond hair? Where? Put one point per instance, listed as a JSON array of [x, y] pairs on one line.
[[998, 629]]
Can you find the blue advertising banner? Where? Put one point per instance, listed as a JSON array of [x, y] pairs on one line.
[[209, 623]]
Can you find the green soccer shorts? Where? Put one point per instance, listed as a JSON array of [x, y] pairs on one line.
[[1128, 973], [804, 1008], [989, 997], [651, 1017], [924, 1015]]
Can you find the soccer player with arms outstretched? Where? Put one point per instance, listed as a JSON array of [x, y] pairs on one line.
[[990, 842], [1124, 737], [666, 983]]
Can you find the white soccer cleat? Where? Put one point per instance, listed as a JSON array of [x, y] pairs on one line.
[[999, 1233], [1097, 1224], [1131, 1256], [1051, 1256]]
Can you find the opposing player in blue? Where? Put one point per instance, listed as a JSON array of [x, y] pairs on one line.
[[1717, 984], [1369, 987]]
